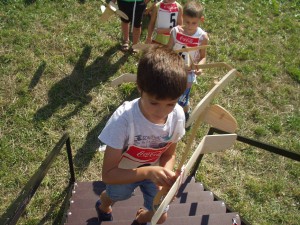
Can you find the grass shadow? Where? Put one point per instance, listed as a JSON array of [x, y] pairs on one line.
[[37, 75], [29, 2], [75, 88], [58, 204]]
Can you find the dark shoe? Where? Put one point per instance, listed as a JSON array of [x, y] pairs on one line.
[[187, 114], [135, 222], [102, 216], [134, 51], [125, 46]]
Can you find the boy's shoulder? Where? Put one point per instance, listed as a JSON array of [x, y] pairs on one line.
[[126, 107], [178, 111], [203, 33]]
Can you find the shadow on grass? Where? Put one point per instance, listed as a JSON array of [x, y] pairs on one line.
[[57, 204], [75, 88], [37, 75], [29, 2]]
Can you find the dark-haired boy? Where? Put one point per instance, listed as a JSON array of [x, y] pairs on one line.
[[141, 135]]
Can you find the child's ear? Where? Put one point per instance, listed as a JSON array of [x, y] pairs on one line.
[[139, 90]]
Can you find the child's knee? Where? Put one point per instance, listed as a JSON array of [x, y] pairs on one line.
[[163, 218], [118, 193]]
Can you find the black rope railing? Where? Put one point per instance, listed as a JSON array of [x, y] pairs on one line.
[[15, 210], [271, 148], [255, 143], [259, 144]]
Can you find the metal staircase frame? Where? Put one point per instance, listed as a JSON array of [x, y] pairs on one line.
[[17, 207]]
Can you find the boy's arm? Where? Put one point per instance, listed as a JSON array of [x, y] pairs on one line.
[[202, 59], [202, 55], [180, 17], [151, 25], [171, 41], [167, 159], [111, 174]]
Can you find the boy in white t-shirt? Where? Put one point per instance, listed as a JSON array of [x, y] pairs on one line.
[[190, 35], [165, 15], [141, 135]]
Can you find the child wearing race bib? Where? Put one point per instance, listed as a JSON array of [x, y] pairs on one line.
[[165, 15], [190, 35], [141, 135]]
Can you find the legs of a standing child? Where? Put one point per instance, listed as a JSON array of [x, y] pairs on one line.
[[127, 8], [136, 34], [125, 31]]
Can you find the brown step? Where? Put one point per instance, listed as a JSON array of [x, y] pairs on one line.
[[77, 204], [212, 219], [88, 192], [125, 213], [184, 198], [92, 189]]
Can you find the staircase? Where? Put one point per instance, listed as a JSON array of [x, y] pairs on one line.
[[192, 206]]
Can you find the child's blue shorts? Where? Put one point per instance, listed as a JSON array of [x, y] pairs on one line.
[[120, 192]]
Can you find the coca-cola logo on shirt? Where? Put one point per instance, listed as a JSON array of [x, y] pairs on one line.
[[144, 154], [169, 7], [187, 40]]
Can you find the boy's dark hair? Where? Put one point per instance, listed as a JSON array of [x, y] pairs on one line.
[[161, 73], [193, 9]]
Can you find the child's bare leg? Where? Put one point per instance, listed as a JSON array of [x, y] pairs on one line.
[[145, 216], [136, 33], [125, 31], [106, 203]]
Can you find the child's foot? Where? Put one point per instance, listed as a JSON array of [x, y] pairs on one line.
[[125, 46], [102, 216], [135, 222], [134, 51]]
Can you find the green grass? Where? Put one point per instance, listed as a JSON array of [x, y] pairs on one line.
[[56, 61]]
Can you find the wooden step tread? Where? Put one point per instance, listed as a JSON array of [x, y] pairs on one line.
[[125, 213], [185, 197], [92, 189], [212, 219]]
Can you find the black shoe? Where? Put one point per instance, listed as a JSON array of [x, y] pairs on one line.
[[135, 222], [102, 216], [187, 115]]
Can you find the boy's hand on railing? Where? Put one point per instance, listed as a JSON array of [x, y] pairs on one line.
[[161, 176]]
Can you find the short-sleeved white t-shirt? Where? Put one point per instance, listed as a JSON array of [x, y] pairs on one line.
[[128, 126]]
